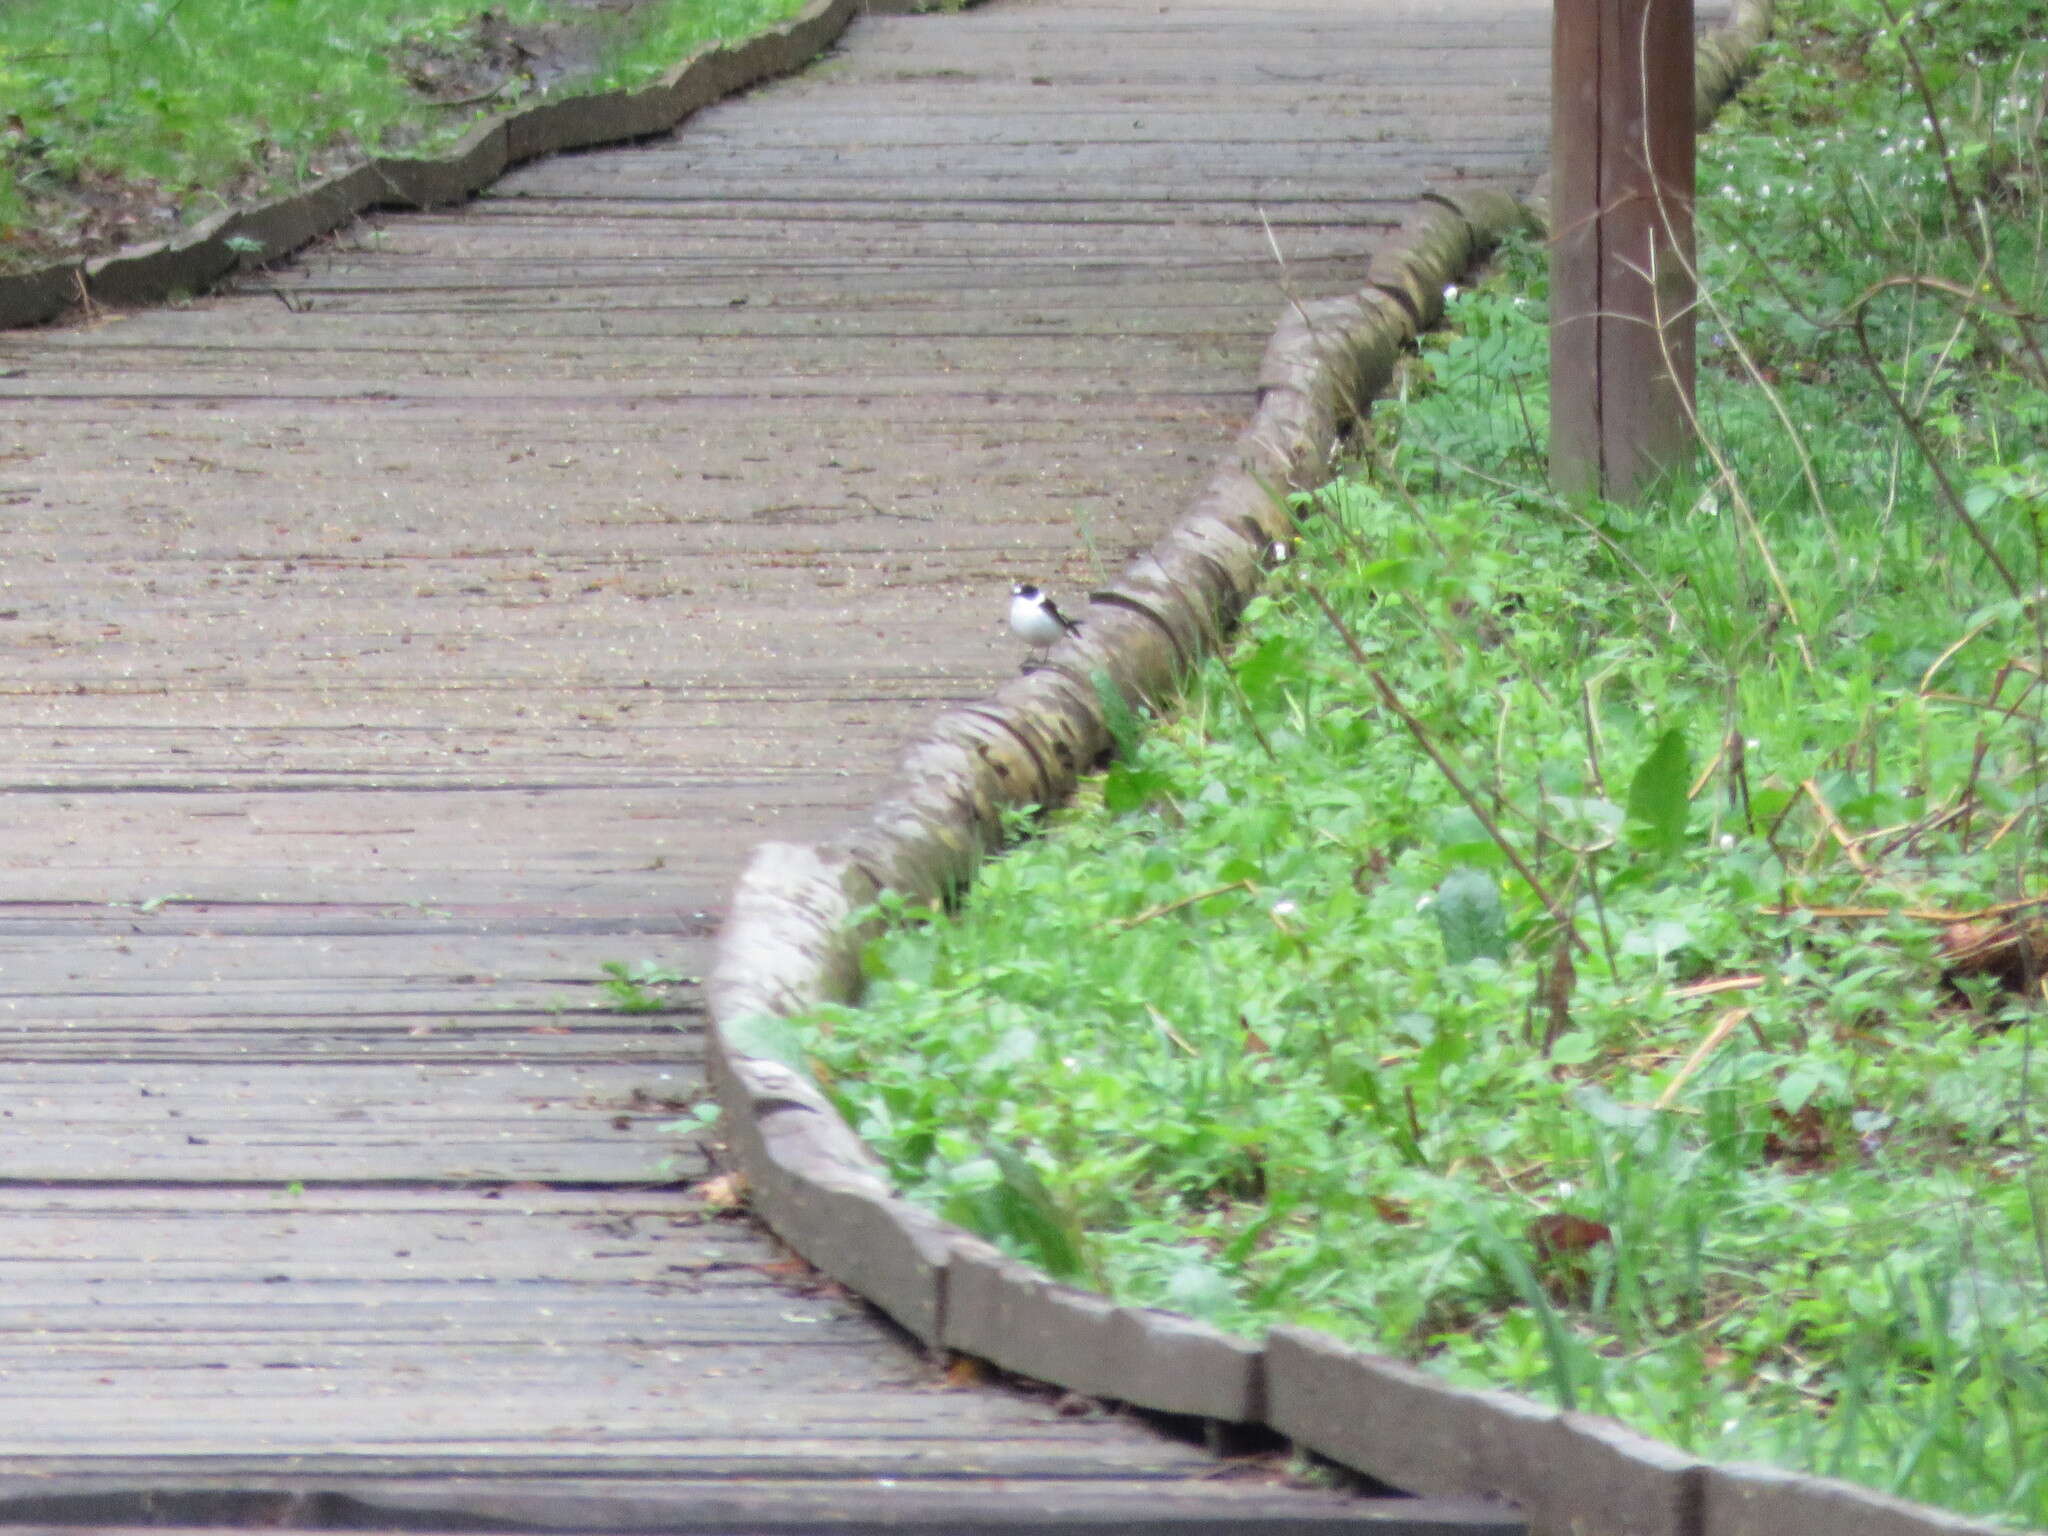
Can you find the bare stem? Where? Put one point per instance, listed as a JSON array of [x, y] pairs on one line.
[[1443, 765]]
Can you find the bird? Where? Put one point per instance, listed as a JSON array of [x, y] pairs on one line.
[[1036, 619]]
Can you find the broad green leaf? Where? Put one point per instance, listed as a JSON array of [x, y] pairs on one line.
[[1482, 855], [1462, 838], [1029, 1214], [1660, 939], [1393, 575], [1588, 819], [1126, 789], [1471, 918], [1574, 1047], [1808, 1079], [1767, 803], [1657, 793], [1269, 669]]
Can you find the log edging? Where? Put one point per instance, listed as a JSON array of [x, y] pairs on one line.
[[793, 939], [235, 239]]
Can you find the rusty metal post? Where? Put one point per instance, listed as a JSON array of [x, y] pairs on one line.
[[1621, 292]]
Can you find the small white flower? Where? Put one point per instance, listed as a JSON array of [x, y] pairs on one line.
[[1450, 292]]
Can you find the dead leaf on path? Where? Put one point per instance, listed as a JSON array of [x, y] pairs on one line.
[[723, 1192], [963, 1373]]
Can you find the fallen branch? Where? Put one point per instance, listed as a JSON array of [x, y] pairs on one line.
[[1917, 914], [1723, 1028], [1694, 989], [1186, 901], [1835, 828]]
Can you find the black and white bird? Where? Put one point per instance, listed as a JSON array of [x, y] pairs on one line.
[[1036, 619]]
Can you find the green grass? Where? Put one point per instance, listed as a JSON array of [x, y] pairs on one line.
[[665, 34], [1549, 950], [182, 105]]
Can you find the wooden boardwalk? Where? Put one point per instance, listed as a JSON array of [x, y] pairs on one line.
[[394, 641]]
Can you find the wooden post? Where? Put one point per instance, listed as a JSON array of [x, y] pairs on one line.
[[1621, 291]]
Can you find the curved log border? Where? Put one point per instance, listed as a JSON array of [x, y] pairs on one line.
[[791, 939], [236, 239]]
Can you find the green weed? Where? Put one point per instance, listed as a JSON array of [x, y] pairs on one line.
[[643, 987], [1596, 949]]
